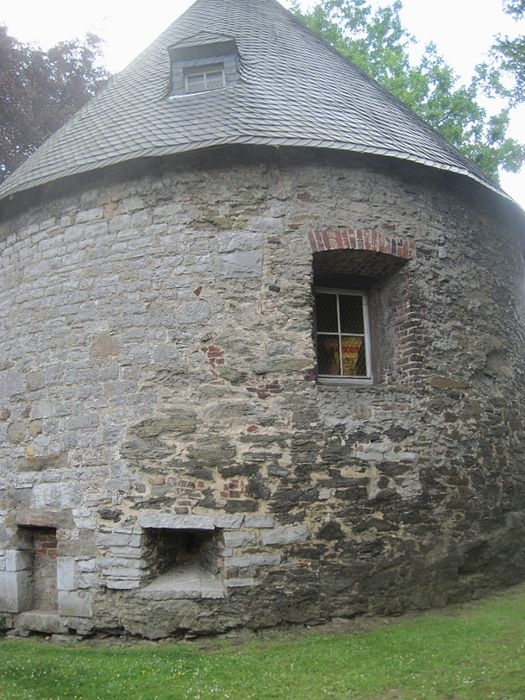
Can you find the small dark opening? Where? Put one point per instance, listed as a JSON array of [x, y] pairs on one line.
[[44, 568], [172, 549]]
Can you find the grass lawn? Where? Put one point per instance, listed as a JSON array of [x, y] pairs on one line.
[[476, 651]]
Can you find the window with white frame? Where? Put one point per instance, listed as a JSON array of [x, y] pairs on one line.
[[203, 78], [203, 63], [342, 335]]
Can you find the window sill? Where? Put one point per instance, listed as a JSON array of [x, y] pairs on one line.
[[347, 382]]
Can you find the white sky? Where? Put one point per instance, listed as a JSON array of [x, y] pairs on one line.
[[462, 30]]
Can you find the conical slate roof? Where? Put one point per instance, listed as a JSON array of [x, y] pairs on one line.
[[292, 90]]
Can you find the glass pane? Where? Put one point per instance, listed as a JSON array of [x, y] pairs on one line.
[[351, 310], [354, 357], [215, 80], [328, 354], [196, 82], [326, 313]]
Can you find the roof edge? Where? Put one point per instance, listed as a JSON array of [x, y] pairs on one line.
[[7, 199]]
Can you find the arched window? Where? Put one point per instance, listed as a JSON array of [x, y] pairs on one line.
[[361, 301]]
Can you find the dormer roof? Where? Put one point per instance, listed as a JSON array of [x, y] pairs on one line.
[[290, 89]]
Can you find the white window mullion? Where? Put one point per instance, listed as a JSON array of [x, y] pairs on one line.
[[339, 337], [366, 322]]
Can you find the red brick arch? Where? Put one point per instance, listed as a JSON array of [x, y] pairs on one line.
[[359, 239]]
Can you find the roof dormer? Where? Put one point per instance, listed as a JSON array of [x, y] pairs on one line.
[[202, 63]]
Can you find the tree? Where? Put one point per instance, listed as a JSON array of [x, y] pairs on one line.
[[40, 90], [510, 57], [378, 43]]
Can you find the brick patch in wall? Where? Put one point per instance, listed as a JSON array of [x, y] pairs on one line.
[[214, 354], [264, 391]]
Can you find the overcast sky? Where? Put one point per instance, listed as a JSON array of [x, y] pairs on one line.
[[462, 30]]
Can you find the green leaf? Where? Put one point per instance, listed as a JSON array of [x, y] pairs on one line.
[[379, 44]]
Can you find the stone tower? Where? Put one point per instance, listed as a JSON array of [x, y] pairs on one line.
[[261, 351]]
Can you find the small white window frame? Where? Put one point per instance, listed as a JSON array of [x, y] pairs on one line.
[[343, 379], [204, 70]]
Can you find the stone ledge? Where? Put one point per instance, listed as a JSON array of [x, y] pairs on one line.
[[188, 582], [164, 521], [44, 621], [43, 518]]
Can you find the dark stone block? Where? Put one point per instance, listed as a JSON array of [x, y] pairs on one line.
[[109, 514], [244, 469], [330, 531], [241, 506], [256, 488]]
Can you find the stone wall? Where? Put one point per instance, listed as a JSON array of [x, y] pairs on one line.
[[157, 375]]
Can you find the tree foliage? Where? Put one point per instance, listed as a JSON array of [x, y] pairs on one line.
[[40, 90], [378, 43], [510, 57]]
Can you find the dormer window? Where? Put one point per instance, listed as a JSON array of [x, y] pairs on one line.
[[203, 63], [200, 79]]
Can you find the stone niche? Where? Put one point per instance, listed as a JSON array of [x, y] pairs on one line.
[[185, 562], [36, 584], [44, 569], [33, 569], [174, 550]]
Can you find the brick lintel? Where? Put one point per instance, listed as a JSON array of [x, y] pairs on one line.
[[359, 239]]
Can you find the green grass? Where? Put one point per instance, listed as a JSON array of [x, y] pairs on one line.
[[471, 652]]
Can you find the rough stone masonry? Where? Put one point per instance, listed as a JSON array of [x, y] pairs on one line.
[[162, 422]]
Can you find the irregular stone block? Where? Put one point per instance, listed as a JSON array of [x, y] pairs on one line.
[[42, 409], [285, 535], [35, 380], [118, 539], [18, 560], [182, 422], [10, 384], [37, 463], [43, 518], [230, 521], [242, 562], [16, 593], [230, 241], [104, 345], [65, 573], [16, 432], [239, 582], [259, 521], [74, 604], [126, 552], [55, 495], [239, 539], [86, 565], [122, 584], [84, 546], [193, 312], [137, 572], [241, 264], [448, 383], [45, 622]]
